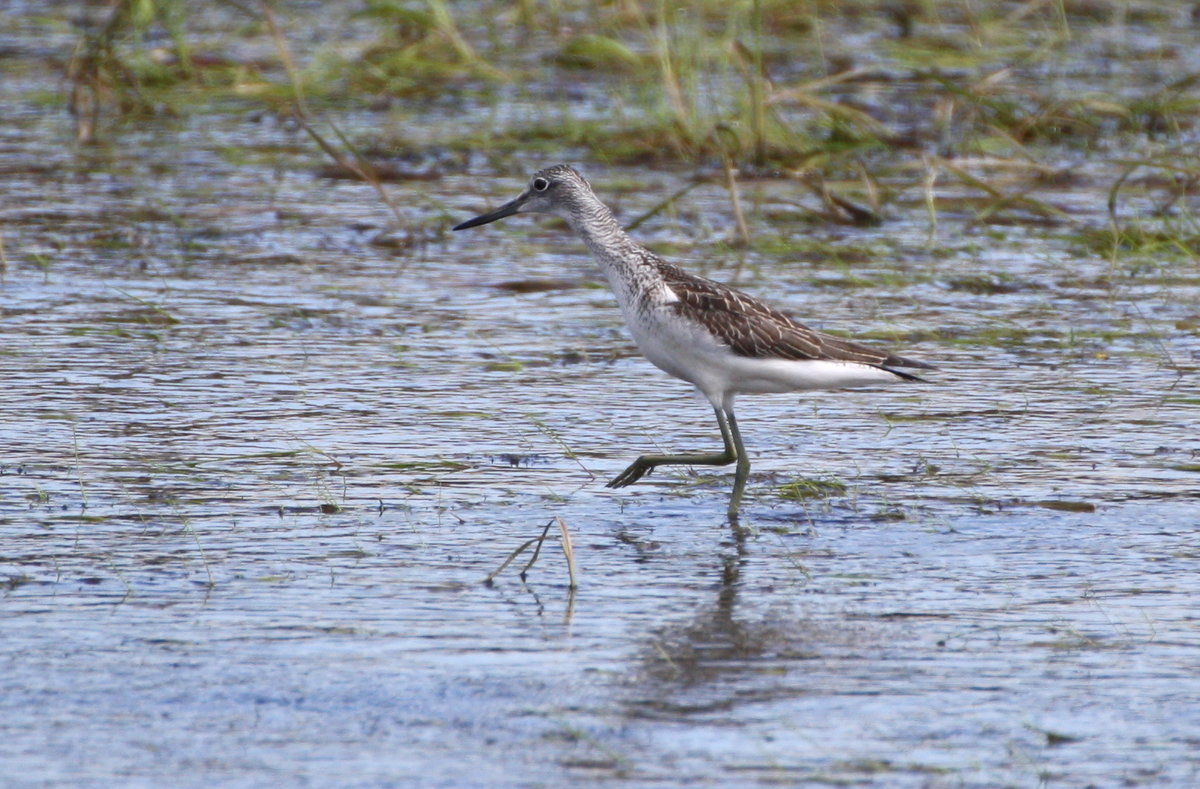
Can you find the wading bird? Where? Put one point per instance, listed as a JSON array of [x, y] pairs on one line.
[[718, 339]]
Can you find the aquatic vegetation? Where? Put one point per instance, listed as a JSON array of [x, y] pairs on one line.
[[750, 88], [805, 488]]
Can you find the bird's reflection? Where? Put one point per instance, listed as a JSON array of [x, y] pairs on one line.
[[687, 667]]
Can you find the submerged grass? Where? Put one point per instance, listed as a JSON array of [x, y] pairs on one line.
[[766, 82], [804, 489], [763, 87]]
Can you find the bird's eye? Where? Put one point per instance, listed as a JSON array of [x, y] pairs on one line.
[[540, 184]]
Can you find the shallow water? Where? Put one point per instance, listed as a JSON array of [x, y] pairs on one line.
[[254, 469]]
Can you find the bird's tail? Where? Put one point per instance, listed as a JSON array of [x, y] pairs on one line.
[[893, 361]]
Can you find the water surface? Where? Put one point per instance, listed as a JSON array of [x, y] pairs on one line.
[[254, 467]]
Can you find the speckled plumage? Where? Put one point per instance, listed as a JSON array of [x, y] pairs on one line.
[[721, 340], [752, 329]]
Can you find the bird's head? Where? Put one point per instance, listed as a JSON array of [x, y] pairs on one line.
[[554, 190]]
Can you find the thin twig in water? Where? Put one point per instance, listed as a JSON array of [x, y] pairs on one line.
[[1001, 200], [664, 204], [567, 546], [78, 470], [553, 435], [536, 551], [735, 198], [285, 55], [189, 529], [931, 175], [568, 551], [516, 552], [356, 163]]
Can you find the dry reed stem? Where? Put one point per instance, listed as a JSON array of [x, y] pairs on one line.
[[358, 164]]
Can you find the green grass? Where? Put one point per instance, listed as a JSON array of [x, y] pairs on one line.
[[934, 108], [806, 489]]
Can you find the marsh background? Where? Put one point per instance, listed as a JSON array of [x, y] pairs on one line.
[[266, 425]]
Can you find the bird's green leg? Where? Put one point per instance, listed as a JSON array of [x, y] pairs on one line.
[[647, 463], [743, 467]]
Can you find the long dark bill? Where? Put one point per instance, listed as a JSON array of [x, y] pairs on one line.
[[508, 209]]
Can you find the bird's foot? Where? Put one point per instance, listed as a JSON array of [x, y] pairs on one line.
[[636, 470]]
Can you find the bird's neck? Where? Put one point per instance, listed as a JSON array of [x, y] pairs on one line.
[[602, 233], [630, 268]]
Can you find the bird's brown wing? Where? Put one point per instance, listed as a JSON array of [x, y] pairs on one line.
[[751, 328]]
